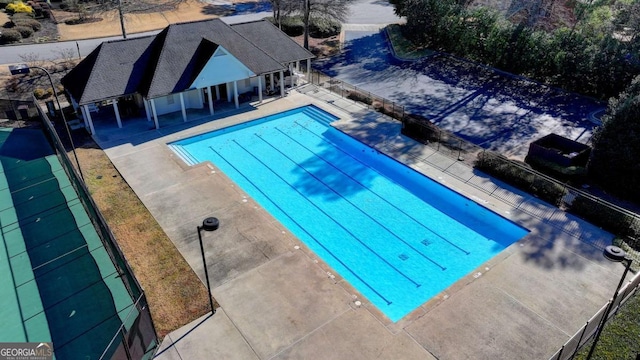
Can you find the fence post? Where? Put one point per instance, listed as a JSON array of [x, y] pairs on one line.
[[564, 192], [560, 353]]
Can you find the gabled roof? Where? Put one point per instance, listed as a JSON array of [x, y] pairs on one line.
[[114, 68], [272, 41], [169, 61], [178, 56]]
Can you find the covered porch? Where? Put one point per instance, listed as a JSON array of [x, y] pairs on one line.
[[107, 129]]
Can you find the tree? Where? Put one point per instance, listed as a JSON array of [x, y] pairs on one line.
[[282, 8], [101, 7], [319, 10], [616, 150], [432, 22]]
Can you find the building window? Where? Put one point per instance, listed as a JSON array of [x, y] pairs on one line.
[[170, 99]]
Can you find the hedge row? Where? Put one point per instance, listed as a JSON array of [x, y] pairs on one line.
[[599, 214], [519, 176], [318, 28]]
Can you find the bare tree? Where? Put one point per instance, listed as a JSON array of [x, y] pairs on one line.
[[335, 10], [33, 59], [99, 7], [281, 9]]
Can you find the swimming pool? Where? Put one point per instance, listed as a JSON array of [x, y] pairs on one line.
[[395, 235]]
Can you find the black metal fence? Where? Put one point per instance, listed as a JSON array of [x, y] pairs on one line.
[[581, 203], [17, 110], [136, 338], [588, 331]]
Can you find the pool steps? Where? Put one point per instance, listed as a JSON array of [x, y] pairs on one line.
[[317, 114], [311, 111], [184, 155]]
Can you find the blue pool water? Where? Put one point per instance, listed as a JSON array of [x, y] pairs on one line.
[[395, 235]]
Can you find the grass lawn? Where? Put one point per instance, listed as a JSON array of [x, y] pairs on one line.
[[403, 48], [620, 338], [175, 294]]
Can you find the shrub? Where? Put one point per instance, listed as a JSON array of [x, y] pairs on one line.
[[40, 93], [417, 127], [25, 31], [32, 23], [292, 25], [322, 28], [19, 7], [608, 218], [519, 176], [4, 3], [572, 174], [8, 25], [360, 97], [70, 5], [21, 16], [9, 36]]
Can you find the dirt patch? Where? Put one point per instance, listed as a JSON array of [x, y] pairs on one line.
[[189, 10], [82, 21], [321, 47], [47, 32], [175, 294], [4, 18]]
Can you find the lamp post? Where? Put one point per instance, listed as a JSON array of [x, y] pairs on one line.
[[24, 69], [209, 224], [615, 254]]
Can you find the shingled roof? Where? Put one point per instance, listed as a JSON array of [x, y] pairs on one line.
[[169, 61], [113, 69], [272, 41]]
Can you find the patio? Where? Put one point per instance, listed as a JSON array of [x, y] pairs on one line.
[[278, 301]]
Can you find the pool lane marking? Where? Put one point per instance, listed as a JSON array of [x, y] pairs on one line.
[[352, 204], [374, 170], [373, 192], [329, 216], [302, 228]]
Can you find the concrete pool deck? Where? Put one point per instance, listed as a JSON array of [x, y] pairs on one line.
[[279, 302]]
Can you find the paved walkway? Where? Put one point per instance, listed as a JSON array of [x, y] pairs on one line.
[[278, 301], [493, 110]]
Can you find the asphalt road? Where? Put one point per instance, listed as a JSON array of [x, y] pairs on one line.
[[13, 54], [362, 12]]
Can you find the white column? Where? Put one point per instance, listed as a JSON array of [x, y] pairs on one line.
[[291, 74], [297, 65], [235, 93], [309, 70], [184, 110], [281, 83], [271, 80], [210, 98], [200, 97], [147, 111], [155, 113], [229, 92], [88, 113], [115, 110], [84, 117], [260, 88], [217, 92]]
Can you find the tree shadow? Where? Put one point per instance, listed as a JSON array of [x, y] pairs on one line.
[[487, 107], [218, 10], [242, 8]]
